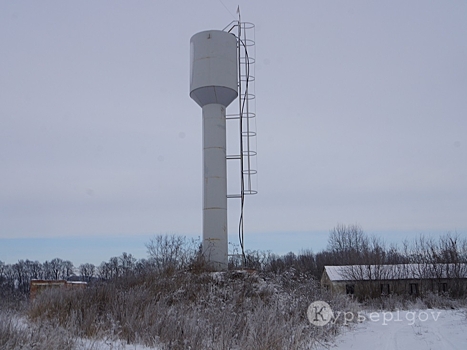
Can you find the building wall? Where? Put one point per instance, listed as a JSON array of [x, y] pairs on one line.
[[374, 289], [38, 286], [377, 288]]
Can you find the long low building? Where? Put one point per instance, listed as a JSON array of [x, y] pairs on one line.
[[370, 281], [37, 286]]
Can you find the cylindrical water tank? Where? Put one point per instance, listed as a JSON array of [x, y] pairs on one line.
[[213, 68]]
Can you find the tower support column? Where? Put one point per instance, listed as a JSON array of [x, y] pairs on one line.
[[215, 240]]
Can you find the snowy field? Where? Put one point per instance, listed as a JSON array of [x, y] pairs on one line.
[[401, 330], [87, 344], [418, 329]]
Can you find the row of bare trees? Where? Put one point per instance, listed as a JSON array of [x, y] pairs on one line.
[[350, 245], [17, 276], [347, 245], [165, 252]]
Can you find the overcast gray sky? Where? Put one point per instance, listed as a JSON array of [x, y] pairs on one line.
[[361, 119]]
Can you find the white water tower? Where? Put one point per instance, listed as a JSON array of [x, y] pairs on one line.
[[222, 69], [214, 85]]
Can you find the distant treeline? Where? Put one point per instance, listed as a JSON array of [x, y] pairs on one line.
[[347, 245]]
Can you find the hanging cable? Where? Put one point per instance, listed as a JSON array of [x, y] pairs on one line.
[[226, 8], [242, 184]]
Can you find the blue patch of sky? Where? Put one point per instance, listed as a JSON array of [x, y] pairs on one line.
[[95, 249]]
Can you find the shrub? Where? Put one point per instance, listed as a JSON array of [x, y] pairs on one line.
[[183, 310], [16, 334]]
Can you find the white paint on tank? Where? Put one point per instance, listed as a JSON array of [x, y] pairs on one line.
[[214, 85], [213, 67]]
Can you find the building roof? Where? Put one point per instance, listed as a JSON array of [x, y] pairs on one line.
[[395, 272]]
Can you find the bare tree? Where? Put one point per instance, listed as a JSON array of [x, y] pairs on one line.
[[87, 271], [67, 269], [2, 271], [34, 268], [348, 243], [56, 268], [21, 276], [9, 276], [127, 263], [143, 267], [104, 271], [172, 251], [114, 267]]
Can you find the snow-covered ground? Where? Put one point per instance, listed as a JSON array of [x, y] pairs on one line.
[[87, 344], [400, 330], [428, 329]]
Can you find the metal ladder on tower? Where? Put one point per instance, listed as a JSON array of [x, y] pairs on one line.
[[245, 151]]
